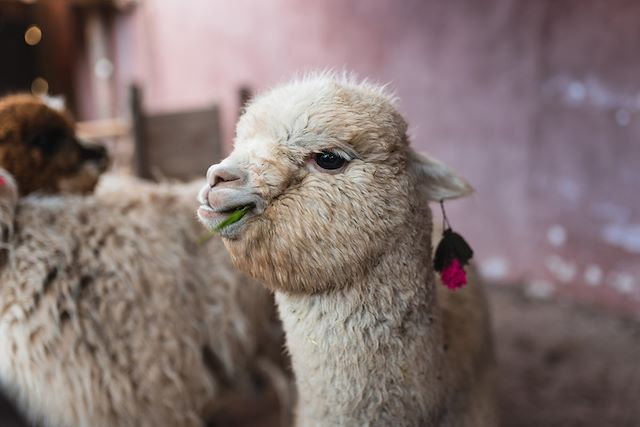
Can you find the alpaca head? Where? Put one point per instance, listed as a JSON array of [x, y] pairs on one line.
[[325, 167], [39, 148]]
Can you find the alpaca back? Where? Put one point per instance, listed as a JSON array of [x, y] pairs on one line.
[[112, 313]]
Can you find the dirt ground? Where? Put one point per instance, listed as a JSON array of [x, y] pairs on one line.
[[565, 365], [560, 364]]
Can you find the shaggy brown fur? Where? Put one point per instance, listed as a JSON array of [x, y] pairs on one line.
[[112, 314], [39, 148], [348, 252]]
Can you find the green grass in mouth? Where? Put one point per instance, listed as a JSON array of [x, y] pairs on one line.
[[231, 219]]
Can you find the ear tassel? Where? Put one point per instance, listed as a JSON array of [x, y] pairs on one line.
[[452, 254]]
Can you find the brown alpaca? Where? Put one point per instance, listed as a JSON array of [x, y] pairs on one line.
[[340, 229], [39, 148]]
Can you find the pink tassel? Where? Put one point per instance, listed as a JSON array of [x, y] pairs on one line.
[[454, 276]]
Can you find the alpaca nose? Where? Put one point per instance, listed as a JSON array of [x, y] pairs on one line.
[[222, 175], [95, 153]]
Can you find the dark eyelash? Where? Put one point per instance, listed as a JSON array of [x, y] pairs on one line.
[[336, 152]]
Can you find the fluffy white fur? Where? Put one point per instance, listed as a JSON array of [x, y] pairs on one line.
[[112, 314], [374, 340]]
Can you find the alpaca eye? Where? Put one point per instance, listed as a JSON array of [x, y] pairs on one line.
[[328, 160], [49, 142]]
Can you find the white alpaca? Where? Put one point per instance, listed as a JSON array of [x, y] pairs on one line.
[[112, 314], [340, 229]]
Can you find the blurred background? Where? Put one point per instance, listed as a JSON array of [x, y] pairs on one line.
[[536, 103]]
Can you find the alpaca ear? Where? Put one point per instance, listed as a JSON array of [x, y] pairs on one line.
[[439, 181]]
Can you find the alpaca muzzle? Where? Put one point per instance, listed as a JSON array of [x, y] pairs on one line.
[[225, 175], [95, 153], [224, 194]]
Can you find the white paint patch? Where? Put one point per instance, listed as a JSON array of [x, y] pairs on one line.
[[625, 236], [557, 235], [623, 118], [593, 275], [494, 268], [592, 92], [539, 289], [576, 92], [564, 271], [569, 189], [624, 283]]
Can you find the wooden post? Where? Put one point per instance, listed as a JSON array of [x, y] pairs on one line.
[[140, 155]]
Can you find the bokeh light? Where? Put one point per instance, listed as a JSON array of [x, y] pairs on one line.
[[33, 35], [39, 86]]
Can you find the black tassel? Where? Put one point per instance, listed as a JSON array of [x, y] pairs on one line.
[[452, 254], [452, 246]]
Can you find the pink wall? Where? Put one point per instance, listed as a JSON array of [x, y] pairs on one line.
[[536, 103]]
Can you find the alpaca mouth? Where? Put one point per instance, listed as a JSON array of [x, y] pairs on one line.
[[218, 218], [210, 213], [227, 210]]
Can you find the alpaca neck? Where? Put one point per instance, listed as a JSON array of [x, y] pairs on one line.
[[372, 353]]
